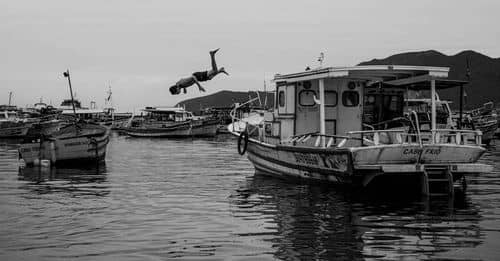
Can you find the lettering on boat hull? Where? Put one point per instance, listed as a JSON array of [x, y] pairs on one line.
[[327, 166], [331, 161]]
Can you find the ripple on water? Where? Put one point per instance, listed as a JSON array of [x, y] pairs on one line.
[[198, 199]]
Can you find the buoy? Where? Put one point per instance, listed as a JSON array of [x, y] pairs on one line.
[[45, 163]]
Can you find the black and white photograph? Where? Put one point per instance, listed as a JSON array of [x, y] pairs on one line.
[[249, 130]]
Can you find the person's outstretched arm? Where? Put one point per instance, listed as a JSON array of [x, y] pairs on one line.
[[199, 85]]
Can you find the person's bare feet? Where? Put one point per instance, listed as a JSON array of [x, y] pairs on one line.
[[222, 70], [214, 51]]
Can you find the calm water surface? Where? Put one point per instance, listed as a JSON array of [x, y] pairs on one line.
[[160, 199]]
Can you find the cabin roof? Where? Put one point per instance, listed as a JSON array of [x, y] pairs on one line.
[[423, 82], [82, 111], [375, 73], [164, 109], [426, 100]]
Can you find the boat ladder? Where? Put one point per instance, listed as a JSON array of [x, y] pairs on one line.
[[437, 181]]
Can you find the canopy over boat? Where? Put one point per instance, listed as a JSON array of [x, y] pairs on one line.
[[164, 109], [375, 73]]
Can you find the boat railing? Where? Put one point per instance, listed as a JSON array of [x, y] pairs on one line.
[[235, 119], [401, 136], [315, 139], [416, 126]]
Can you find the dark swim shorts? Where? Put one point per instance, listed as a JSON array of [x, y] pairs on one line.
[[201, 76]]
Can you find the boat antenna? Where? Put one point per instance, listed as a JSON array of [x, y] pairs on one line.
[[10, 97], [468, 75], [109, 95], [265, 93], [66, 74], [320, 59], [258, 96]]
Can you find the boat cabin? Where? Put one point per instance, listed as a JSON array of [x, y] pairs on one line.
[[337, 101], [8, 115], [167, 114], [84, 114]]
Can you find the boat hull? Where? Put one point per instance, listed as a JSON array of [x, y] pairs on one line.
[[204, 129], [157, 132], [66, 151], [488, 130], [15, 131], [321, 165], [358, 167], [200, 129], [414, 154]]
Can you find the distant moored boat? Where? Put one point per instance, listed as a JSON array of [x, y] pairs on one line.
[[171, 122]]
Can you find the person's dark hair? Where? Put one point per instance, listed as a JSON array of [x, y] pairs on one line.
[[174, 90]]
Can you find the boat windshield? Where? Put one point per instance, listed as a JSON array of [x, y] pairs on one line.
[[382, 106], [423, 110]]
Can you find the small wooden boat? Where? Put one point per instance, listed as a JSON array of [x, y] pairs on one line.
[[485, 119], [14, 130], [75, 143], [348, 126], [12, 126], [171, 122]]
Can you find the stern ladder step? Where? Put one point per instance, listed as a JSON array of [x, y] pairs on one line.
[[437, 181]]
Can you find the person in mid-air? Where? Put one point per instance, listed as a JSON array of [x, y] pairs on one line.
[[198, 77]]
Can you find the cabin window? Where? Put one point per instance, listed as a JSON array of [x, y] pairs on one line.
[[331, 98], [281, 99], [350, 98], [306, 98]]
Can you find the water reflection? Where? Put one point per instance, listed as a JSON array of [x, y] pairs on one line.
[[315, 222], [88, 180]]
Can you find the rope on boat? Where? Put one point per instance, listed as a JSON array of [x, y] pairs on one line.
[[96, 147], [242, 148]]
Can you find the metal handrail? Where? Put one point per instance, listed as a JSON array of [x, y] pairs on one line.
[[435, 135], [306, 136], [232, 113], [417, 127], [318, 134], [373, 131]]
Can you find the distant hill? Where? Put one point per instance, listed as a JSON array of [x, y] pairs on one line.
[[225, 99], [484, 84]]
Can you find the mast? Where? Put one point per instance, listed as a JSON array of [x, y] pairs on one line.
[[265, 93], [462, 92], [320, 59], [322, 126], [433, 109], [66, 74], [109, 103], [10, 97], [322, 111]]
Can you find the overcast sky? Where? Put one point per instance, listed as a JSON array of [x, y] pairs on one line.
[[143, 47]]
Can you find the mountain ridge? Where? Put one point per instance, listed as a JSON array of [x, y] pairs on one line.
[[225, 98], [484, 84]]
